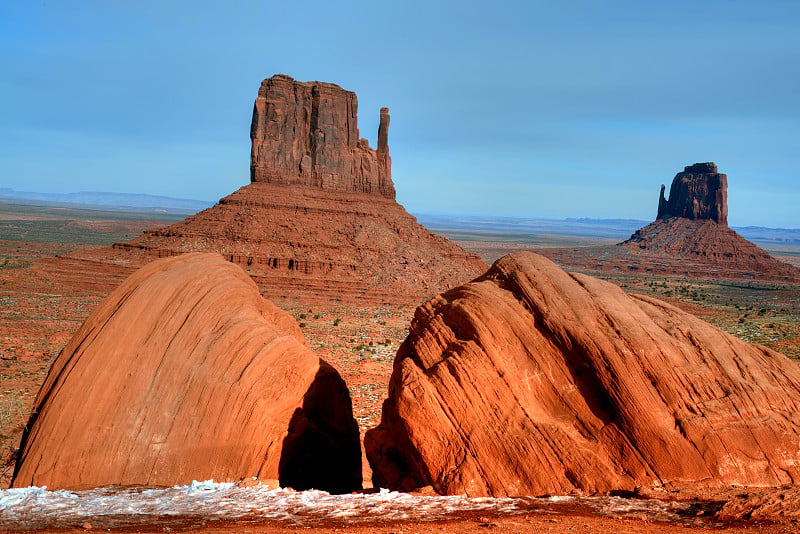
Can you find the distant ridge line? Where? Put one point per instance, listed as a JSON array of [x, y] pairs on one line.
[[106, 200]]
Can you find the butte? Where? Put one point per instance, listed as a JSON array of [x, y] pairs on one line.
[[318, 222], [690, 237]]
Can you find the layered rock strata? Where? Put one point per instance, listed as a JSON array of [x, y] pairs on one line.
[[303, 242], [531, 381], [318, 222], [182, 373], [703, 248]]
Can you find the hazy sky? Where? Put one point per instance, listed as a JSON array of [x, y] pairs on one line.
[[543, 109]]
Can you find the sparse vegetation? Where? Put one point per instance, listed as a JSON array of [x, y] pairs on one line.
[[364, 342]]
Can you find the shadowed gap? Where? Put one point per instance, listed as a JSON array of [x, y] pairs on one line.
[[322, 449]]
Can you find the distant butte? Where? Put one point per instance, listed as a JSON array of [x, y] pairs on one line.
[[690, 237], [318, 221]]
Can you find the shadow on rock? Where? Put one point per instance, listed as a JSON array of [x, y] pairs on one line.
[[322, 449]]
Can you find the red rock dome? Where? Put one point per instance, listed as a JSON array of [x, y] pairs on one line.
[[185, 372], [530, 380]]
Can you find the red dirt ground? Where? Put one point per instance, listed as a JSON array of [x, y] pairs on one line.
[[38, 317]]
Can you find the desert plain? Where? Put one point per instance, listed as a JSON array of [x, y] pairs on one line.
[[360, 341]]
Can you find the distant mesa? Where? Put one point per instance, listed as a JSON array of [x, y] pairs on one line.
[[318, 220], [530, 381], [183, 373], [690, 237]]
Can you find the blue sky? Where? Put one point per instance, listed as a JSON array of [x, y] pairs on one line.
[[537, 109]]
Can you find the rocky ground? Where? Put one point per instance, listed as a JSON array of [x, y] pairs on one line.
[[38, 318]]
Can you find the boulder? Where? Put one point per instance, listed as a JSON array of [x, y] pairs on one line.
[[531, 381], [182, 373]]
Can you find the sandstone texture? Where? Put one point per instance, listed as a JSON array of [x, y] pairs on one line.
[[699, 192], [307, 133], [185, 373], [318, 222], [531, 381]]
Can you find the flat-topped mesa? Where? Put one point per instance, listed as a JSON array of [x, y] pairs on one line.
[[307, 133], [699, 192]]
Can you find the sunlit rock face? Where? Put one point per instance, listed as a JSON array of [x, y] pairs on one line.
[[183, 373], [530, 380], [307, 133]]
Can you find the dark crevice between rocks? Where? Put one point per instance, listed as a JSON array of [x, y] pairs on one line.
[[322, 449]]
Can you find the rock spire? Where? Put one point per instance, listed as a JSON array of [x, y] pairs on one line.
[[318, 222]]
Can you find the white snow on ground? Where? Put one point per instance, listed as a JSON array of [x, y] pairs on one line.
[[35, 508]]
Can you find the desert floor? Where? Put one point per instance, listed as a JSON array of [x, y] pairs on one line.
[[38, 319]]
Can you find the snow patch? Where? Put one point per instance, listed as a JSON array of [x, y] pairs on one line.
[[115, 507]]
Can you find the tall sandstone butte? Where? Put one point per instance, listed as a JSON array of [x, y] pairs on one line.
[[318, 221], [530, 380], [307, 133], [184, 372], [690, 237]]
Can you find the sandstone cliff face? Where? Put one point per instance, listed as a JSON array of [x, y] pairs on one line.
[[307, 133], [699, 192], [530, 380], [186, 373]]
